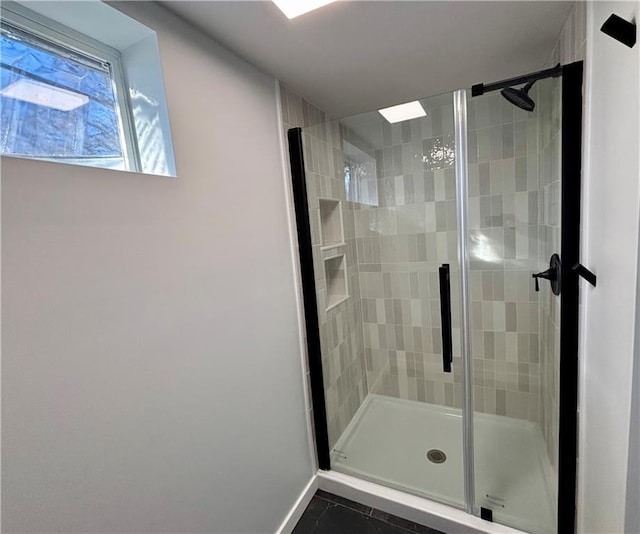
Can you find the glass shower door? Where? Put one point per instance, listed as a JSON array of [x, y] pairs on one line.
[[383, 214], [435, 240], [514, 228]]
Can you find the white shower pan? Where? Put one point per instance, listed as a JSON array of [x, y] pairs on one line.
[[388, 439]]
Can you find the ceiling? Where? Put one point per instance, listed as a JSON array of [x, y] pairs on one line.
[[355, 56]]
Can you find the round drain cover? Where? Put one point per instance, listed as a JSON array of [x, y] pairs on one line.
[[436, 456]]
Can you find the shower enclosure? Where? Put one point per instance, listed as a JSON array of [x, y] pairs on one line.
[[440, 366]]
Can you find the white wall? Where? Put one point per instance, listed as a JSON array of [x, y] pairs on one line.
[[632, 517], [151, 369], [610, 222]]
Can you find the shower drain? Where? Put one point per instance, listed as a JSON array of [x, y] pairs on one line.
[[436, 456]]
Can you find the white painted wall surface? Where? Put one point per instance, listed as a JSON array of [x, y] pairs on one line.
[[151, 369], [632, 517], [610, 234]]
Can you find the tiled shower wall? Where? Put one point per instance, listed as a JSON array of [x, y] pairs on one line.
[[403, 230], [549, 94], [401, 243], [503, 246], [340, 326], [403, 240], [570, 47]]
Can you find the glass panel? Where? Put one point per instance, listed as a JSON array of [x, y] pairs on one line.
[[394, 416], [55, 104], [514, 219]]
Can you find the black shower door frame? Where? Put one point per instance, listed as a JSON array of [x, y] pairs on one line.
[[572, 99]]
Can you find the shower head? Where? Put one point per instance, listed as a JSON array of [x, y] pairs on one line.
[[520, 97]]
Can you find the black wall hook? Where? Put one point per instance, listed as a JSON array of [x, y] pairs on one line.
[[581, 270], [620, 29]]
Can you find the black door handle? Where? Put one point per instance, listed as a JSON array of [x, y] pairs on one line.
[[552, 274], [445, 312], [549, 274]]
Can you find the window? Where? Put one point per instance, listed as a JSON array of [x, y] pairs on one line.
[[66, 97], [57, 103]]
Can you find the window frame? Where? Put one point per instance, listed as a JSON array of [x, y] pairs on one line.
[[59, 36]]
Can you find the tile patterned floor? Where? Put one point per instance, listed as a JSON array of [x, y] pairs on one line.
[[330, 514]]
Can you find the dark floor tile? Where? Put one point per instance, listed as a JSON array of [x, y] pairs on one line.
[[312, 516], [330, 514], [352, 505], [336, 519], [408, 526]]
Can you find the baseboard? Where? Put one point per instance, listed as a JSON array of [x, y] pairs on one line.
[[298, 508]]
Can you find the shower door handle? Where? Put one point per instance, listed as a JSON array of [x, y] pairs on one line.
[[445, 312]]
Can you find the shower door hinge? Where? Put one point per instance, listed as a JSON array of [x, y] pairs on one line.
[[581, 270], [486, 514]]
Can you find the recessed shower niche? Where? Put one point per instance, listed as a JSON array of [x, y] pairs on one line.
[[335, 269], [331, 227]]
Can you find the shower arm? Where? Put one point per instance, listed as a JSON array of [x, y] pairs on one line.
[[481, 88]]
